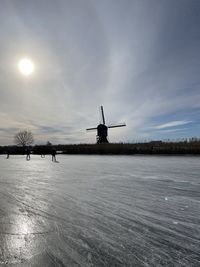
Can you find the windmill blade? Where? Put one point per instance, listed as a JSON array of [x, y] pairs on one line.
[[90, 129], [102, 115], [118, 125]]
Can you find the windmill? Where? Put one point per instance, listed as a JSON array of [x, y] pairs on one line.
[[102, 129]]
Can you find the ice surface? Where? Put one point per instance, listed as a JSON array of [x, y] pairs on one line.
[[100, 211]]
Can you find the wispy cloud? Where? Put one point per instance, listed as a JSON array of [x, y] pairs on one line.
[[171, 124], [173, 130]]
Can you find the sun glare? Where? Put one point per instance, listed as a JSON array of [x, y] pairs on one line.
[[26, 66]]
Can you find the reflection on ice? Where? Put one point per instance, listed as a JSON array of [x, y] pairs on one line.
[[100, 211]]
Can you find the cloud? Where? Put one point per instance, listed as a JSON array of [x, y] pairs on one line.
[[173, 130], [171, 124]]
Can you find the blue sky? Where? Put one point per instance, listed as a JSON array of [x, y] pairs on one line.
[[140, 59]]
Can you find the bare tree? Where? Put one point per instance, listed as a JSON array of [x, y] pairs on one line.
[[24, 138]]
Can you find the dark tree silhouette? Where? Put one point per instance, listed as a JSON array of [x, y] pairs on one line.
[[24, 138]]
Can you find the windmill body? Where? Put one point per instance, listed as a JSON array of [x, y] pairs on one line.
[[102, 133], [102, 129]]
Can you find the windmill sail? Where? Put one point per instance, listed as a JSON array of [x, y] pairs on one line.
[[118, 125], [94, 128], [102, 115]]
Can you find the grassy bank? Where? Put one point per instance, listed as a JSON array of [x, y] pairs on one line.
[[151, 148]]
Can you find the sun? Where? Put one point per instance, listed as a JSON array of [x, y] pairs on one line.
[[26, 66]]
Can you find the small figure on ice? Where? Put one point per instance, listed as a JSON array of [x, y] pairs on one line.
[[53, 153], [28, 152], [8, 153]]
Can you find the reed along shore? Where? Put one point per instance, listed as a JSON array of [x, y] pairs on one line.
[[150, 148]]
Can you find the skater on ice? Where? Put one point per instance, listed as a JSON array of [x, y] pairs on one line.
[[53, 153], [28, 152]]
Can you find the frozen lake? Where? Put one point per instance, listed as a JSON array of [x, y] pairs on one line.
[[100, 211]]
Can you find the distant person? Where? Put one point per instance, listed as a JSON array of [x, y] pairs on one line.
[[53, 153], [8, 154], [28, 154]]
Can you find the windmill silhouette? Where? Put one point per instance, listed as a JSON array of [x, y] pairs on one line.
[[102, 129]]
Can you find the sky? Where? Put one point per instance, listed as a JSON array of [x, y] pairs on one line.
[[139, 59]]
